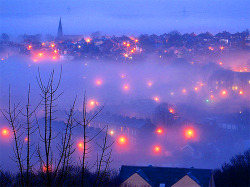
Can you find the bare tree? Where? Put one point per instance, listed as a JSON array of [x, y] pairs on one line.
[[66, 150], [86, 140], [105, 159], [30, 130], [11, 116], [49, 96]]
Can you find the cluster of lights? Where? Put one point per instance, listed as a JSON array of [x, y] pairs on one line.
[[211, 48]]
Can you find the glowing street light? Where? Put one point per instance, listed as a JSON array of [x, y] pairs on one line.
[[157, 149], [80, 145], [196, 88], [111, 132], [171, 110], [241, 92], [93, 103], [156, 99], [29, 47], [88, 40], [45, 169], [5, 132], [98, 82], [126, 87], [224, 92], [189, 133], [220, 63], [159, 131], [122, 140], [150, 84], [184, 91]]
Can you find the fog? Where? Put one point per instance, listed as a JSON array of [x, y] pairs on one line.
[[178, 114]]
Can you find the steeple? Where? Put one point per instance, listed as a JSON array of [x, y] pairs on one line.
[[60, 31]]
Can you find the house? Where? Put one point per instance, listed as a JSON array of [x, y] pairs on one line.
[[150, 176]]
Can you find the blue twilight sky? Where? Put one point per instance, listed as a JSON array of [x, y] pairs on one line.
[[123, 16]]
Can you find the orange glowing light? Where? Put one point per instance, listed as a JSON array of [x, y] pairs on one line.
[[29, 47], [5, 132], [52, 45], [26, 139], [88, 40], [92, 103], [124, 43], [128, 45], [241, 92], [132, 51], [125, 87], [220, 63], [159, 131], [156, 99], [54, 57], [111, 132], [34, 60], [224, 92], [157, 149], [212, 96], [171, 110], [221, 48], [184, 91], [45, 169], [43, 44], [98, 82], [189, 133], [122, 76], [196, 88], [150, 84], [126, 55], [136, 40], [55, 51], [122, 140], [40, 54], [80, 145]]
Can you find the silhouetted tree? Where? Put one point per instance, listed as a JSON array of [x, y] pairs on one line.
[[236, 173]]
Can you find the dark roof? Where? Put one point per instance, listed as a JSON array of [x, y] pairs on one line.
[[166, 175], [144, 176]]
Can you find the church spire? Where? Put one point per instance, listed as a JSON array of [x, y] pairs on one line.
[[60, 31]]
